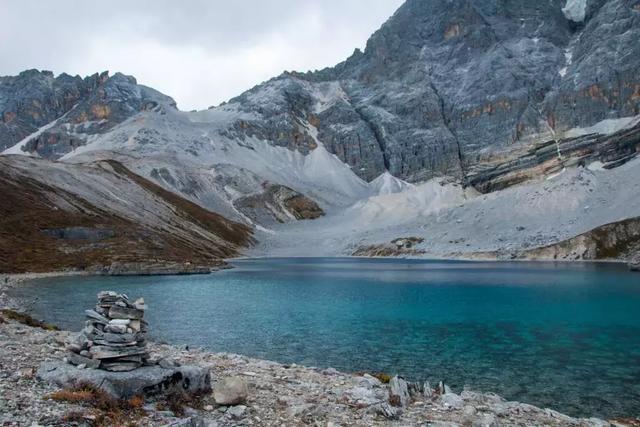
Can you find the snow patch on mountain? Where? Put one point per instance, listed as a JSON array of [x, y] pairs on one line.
[[18, 148], [575, 10]]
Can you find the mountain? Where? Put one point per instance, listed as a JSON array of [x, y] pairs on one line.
[[450, 99], [52, 116], [101, 217]]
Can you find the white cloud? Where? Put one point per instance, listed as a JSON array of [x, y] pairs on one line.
[[199, 52]]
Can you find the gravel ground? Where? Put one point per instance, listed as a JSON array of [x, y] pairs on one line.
[[522, 217]]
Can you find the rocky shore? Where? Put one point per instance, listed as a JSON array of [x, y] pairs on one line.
[[256, 392], [276, 394]]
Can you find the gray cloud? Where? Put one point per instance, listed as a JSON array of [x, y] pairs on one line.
[[200, 52]]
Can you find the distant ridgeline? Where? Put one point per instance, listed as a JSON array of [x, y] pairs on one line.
[[475, 89]]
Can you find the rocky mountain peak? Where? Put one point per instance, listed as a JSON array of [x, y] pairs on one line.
[[51, 115], [444, 87]]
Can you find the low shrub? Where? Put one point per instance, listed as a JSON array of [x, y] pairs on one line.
[[110, 411]]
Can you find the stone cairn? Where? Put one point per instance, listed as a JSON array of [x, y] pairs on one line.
[[114, 336]]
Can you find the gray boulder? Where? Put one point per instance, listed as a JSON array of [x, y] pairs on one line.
[[147, 380], [230, 391], [452, 400], [398, 392]]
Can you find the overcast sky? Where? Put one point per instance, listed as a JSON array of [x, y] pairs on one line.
[[197, 51]]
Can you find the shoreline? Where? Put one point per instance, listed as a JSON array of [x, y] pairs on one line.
[[443, 258], [279, 393], [13, 280]]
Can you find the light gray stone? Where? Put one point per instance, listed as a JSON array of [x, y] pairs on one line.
[[147, 380], [237, 412], [387, 411], [118, 312], [230, 391], [398, 392], [78, 359], [108, 352], [452, 400]]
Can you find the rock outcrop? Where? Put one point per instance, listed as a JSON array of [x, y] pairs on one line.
[[145, 381], [403, 246], [465, 88], [611, 242], [53, 115], [550, 157], [230, 391], [278, 203]]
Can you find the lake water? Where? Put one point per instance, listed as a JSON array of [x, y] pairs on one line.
[[564, 336]]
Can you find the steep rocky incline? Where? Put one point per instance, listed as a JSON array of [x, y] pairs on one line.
[[104, 218], [51, 116], [616, 241], [446, 85]]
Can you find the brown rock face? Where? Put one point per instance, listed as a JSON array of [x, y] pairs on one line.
[[100, 112], [278, 204], [615, 241]]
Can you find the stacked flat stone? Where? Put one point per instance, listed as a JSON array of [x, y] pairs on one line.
[[114, 336]]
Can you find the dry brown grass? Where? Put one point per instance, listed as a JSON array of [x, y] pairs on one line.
[[72, 396], [105, 410], [73, 417], [30, 206]]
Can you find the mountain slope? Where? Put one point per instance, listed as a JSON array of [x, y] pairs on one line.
[[51, 116], [443, 87], [504, 96], [104, 218]]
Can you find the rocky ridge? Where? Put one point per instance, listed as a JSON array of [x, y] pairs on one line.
[[445, 86], [442, 88], [51, 116]]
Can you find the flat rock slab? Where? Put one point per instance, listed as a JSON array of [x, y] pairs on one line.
[[147, 380]]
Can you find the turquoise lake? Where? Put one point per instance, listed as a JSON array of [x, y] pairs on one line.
[[564, 336]]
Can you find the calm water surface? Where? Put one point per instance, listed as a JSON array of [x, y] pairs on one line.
[[564, 336]]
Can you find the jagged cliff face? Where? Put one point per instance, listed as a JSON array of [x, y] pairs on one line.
[[51, 116], [483, 93], [463, 88], [447, 84]]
